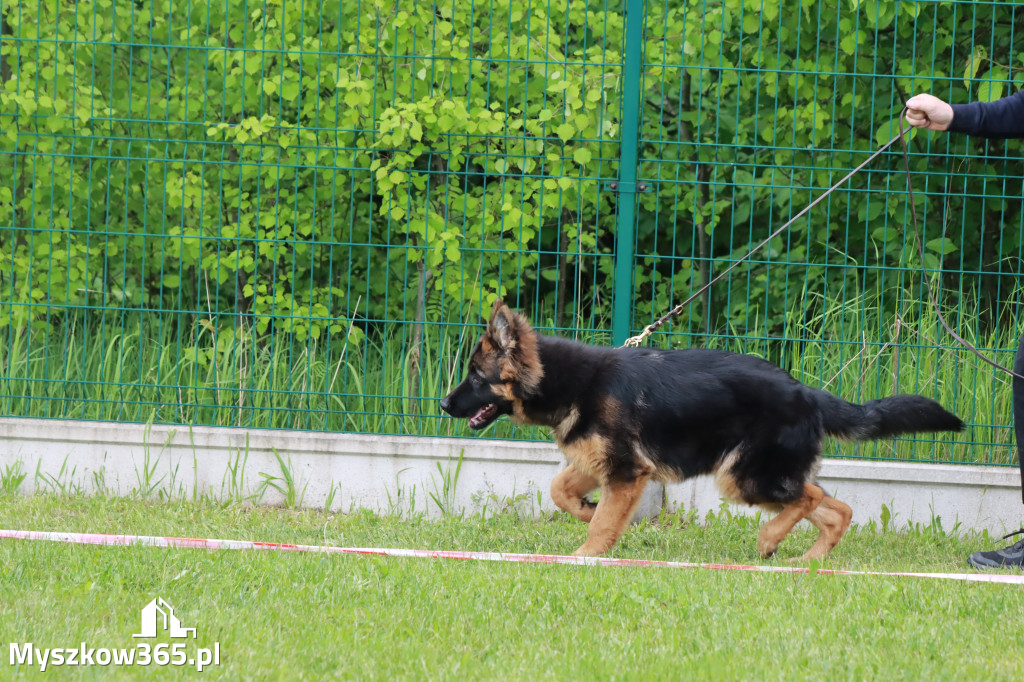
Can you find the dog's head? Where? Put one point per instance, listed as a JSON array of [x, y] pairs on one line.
[[504, 369]]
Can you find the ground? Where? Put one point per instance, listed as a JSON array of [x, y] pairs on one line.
[[295, 616]]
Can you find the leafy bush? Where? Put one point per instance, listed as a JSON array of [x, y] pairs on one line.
[[289, 167]]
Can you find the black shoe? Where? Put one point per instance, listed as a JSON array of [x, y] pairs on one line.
[[1008, 557]]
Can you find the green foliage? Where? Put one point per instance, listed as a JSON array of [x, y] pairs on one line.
[[778, 105], [267, 161], [253, 161]]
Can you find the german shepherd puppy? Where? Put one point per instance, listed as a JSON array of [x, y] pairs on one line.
[[624, 416]]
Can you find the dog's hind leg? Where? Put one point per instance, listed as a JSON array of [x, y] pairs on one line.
[[619, 499], [568, 489], [773, 532], [832, 519]]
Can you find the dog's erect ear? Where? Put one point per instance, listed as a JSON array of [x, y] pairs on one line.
[[512, 336], [502, 327]]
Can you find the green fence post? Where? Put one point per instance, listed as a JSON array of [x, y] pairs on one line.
[[622, 288]]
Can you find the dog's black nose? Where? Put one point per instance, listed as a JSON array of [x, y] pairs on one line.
[[445, 405]]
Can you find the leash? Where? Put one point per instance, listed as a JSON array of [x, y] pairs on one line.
[[635, 341], [675, 312], [924, 274], [166, 542]]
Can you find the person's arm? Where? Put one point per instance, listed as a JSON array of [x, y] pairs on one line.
[[1001, 118]]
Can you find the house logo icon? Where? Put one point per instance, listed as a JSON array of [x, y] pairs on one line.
[[160, 611]]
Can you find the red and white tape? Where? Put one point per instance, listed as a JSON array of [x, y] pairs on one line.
[[199, 543]]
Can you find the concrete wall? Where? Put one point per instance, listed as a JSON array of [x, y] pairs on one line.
[[394, 474]]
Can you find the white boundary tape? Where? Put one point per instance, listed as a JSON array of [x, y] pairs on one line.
[[1014, 578]]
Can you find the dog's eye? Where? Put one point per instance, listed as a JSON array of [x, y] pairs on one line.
[[475, 379]]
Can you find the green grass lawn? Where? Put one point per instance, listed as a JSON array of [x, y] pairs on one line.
[[298, 616]]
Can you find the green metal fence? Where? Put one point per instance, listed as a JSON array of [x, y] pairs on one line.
[[296, 214]]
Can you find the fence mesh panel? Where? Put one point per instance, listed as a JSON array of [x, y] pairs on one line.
[[298, 215]]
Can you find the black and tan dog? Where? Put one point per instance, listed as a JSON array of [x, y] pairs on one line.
[[624, 416]]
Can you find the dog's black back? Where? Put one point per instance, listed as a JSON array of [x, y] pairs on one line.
[[689, 410]]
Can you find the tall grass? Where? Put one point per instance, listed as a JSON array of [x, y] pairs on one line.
[[163, 373]]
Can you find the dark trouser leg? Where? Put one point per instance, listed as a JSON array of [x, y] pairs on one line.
[[1012, 556], [1018, 408]]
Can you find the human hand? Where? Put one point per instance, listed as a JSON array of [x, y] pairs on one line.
[[929, 112]]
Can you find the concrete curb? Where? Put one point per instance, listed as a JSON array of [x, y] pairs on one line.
[[412, 474]]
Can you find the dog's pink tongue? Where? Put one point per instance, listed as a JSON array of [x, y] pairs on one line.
[[482, 415]]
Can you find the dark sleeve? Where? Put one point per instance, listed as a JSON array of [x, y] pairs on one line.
[[1002, 118]]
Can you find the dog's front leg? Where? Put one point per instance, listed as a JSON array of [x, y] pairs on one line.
[[619, 499], [568, 490]]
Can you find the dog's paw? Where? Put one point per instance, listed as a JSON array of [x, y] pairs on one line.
[[586, 551], [766, 549]]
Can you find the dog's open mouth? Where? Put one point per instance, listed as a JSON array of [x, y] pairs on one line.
[[484, 416]]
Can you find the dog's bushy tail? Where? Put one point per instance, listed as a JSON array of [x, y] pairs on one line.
[[885, 417]]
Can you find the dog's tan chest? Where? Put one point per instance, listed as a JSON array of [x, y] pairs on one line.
[[588, 454]]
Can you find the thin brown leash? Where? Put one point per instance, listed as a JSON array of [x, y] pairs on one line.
[[924, 274], [653, 327]]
